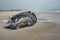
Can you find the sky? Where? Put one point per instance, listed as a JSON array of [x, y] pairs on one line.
[[30, 4]]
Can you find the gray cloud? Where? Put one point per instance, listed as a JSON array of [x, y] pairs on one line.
[[30, 4]]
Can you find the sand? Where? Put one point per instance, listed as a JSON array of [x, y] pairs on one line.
[[43, 30]]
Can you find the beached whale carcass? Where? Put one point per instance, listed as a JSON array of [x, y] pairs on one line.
[[22, 19]]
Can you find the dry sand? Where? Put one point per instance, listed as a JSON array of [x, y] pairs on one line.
[[42, 30]]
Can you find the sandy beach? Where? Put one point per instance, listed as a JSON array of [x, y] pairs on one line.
[[47, 27]]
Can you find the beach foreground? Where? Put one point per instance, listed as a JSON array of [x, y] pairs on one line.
[[47, 27]]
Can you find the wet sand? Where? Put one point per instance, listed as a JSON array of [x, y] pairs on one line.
[[42, 30]]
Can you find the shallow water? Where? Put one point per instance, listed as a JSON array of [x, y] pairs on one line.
[[43, 30]]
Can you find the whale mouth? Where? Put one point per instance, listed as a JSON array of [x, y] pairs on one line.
[[10, 26]]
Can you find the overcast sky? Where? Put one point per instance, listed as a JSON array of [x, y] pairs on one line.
[[30, 4]]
